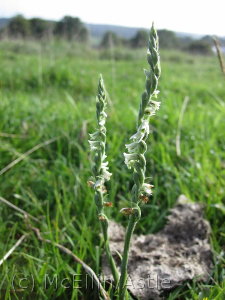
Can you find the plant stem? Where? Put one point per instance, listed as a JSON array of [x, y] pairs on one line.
[[111, 261], [104, 227], [123, 278]]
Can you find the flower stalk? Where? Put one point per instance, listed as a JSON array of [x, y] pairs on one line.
[[136, 149], [100, 171]]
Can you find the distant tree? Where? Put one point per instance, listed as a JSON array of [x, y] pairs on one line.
[[19, 27], [110, 38], [38, 27], [140, 39], [71, 28], [200, 47], [84, 35], [207, 38], [3, 22], [185, 41], [167, 39]]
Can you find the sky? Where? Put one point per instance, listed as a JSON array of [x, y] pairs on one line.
[[191, 16]]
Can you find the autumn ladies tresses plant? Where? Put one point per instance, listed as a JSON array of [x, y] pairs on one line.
[[100, 171], [134, 159]]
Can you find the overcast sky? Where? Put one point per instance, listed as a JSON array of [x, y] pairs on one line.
[[194, 16]]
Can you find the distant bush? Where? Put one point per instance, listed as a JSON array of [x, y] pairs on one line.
[[72, 29], [111, 39], [19, 27], [168, 39], [199, 47], [140, 39], [69, 28], [39, 27]]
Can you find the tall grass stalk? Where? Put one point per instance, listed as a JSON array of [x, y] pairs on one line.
[[135, 157], [100, 171]]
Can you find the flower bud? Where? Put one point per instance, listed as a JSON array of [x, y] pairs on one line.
[[127, 211], [90, 183], [144, 199], [108, 204]]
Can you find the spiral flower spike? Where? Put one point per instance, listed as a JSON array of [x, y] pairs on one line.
[[135, 158], [100, 171]]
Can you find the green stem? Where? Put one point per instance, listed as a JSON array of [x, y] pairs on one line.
[[111, 261], [123, 277], [104, 227]]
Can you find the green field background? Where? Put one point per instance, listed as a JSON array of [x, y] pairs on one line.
[[48, 90]]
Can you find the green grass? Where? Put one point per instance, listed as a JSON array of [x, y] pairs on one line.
[[51, 93]]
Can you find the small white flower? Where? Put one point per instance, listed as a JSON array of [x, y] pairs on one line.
[[105, 164], [105, 174], [137, 136], [152, 107], [130, 159], [133, 147], [147, 188], [137, 147], [104, 157], [104, 114], [96, 135], [98, 185], [94, 145], [94, 148], [155, 93], [102, 122], [155, 104], [142, 131]]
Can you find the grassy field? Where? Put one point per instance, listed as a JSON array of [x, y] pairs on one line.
[[48, 92]]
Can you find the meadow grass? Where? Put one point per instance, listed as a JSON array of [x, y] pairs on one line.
[[49, 91]]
